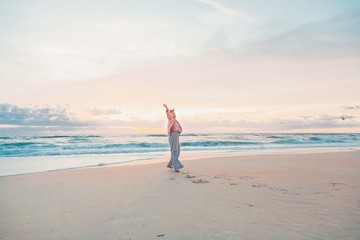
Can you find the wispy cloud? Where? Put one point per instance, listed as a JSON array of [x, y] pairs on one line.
[[220, 7], [223, 14]]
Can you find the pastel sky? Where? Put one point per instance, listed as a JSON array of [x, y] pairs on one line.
[[105, 66]]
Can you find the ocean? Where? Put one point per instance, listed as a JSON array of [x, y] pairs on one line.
[[34, 150]]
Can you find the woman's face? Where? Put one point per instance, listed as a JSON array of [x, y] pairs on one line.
[[173, 113]]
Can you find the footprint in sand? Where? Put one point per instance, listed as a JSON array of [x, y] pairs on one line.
[[246, 177], [316, 193], [189, 176], [200, 181], [335, 183]]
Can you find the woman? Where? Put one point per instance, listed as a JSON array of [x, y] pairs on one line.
[[174, 129]]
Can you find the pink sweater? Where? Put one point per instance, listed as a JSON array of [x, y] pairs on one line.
[[173, 125]]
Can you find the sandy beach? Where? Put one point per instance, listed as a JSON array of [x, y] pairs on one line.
[[287, 196]]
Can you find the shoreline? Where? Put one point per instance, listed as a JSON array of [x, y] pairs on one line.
[[274, 196], [185, 156]]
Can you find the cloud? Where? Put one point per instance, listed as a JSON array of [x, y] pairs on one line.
[[355, 107], [222, 15], [323, 122], [130, 25], [220, 7], [338, 36], [219, 42], [301, 124], [108, 111], [36, 116], [57, 120]]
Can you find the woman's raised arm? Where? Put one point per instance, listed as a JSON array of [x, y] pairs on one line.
[[168, 113]]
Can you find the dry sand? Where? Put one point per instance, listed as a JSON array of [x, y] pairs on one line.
[[291, 196]]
